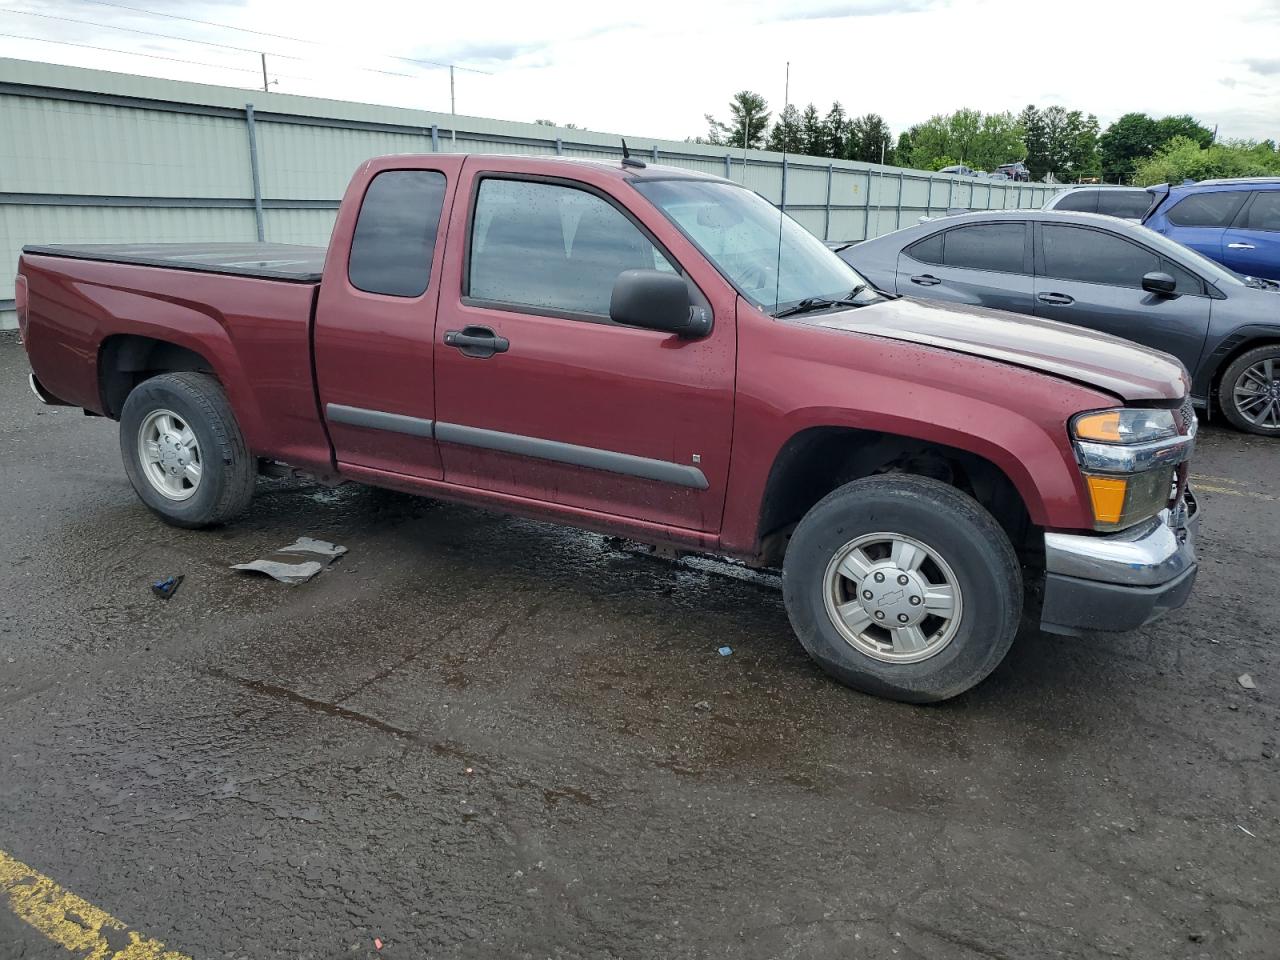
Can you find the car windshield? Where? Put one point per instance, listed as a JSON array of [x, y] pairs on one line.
[[738, 231]]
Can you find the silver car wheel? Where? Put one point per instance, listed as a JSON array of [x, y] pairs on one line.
[[893, 598], [1256, 394], [169, 455]]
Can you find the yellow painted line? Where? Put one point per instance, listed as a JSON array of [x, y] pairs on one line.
[[1198, 486], [71, 922]]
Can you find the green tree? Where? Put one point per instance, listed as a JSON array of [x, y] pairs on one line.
[[1182, 126], [1125, 142], [1185, 157], [968, 136], [748, 121], [835, 130], [812, 133], [1035, 141], [787, 135], [869, 139]]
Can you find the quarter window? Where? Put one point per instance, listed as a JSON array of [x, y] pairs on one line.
[[1091, 256], [1207, 209], [1264, 214], [928, 250], [395, 235], [552, 247], [986, 246]]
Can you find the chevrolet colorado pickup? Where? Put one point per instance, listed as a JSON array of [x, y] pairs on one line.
[[656, 354]]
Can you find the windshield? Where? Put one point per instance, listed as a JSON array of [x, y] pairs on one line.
[[737, 230]]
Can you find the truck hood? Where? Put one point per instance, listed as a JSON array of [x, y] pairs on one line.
[[1131, 372]]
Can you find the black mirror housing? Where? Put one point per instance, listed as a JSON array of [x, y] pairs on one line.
[[656, 300], [1159, 282]]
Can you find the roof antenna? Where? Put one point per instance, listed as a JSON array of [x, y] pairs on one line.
[[628, 160]]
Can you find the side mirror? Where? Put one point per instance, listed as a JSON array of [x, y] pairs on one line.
[[1160, 283], [657, 300]]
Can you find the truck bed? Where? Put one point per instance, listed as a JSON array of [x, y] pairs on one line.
[[271, 261]]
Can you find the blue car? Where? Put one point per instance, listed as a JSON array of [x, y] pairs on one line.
[[1236, 222]]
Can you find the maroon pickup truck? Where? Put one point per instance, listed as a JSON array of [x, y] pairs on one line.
[[652, 353]]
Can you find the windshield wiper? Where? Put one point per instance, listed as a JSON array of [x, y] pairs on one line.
[[822, 303]]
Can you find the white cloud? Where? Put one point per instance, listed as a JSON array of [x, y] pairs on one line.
[[655, 69]]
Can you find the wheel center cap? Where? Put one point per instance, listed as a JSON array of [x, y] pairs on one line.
[[893, 597], [173, 458]]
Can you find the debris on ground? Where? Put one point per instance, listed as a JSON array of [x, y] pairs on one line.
[[1246, 681], [702, 705], [166, 588], [286, 564], [377, 943], [726, 651], [1249, 832]]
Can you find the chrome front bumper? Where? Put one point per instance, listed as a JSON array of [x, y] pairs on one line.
[[1123, 580]]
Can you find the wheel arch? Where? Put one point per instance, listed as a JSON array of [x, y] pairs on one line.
[[127, 359], [818, 459], [1226, 353]]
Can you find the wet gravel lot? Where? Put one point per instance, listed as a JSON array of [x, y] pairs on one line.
[[476, 736]]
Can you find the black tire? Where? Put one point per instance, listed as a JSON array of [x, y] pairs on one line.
[[228, 471], [958, 530], [1231, 377]]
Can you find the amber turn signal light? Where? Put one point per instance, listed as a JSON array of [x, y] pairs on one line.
[[1108, 494]]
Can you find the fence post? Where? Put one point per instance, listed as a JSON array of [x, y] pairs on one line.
[[928, 204], [783, 205], [559, 146], [435, 138], [655, 153], [253, 169], [728, 167], [897, 213], [826, 225]]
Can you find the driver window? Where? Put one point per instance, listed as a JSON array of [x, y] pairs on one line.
[[1091, 256], [553, 247]]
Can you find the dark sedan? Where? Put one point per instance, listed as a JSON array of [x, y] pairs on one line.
[[1104, 273]]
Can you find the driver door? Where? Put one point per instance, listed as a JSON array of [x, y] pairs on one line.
[[563, 406]]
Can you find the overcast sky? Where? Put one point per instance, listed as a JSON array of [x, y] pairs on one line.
[[654, 68]]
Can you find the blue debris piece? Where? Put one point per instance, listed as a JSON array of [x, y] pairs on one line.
[[726, 651], [166, 588]]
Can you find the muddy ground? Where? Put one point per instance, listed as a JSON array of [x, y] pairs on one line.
[[476, 736]]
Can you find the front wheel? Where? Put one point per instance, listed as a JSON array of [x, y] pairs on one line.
[[904, 587], [184, 452], [1249, 391]]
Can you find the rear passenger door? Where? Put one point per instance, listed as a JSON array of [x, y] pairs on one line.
[[1251, 245], [375, 315], [988, 264], [1093, 278]]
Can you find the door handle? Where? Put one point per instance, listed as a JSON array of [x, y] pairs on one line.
[[1059, 298], [1239, 246], [925, 280], [476, 341]]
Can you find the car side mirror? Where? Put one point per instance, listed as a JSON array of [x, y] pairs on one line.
[[1159, 282], [656, 300]]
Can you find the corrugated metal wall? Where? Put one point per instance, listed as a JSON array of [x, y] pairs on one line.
[[89, 156]]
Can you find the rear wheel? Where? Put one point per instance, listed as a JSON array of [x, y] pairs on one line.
[[183, 450], [904, 587], [1249, 391]]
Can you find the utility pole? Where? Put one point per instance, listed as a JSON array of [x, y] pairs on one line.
[[264, 72], [453, 111]]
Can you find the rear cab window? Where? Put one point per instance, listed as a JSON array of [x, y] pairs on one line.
[[395, 236]]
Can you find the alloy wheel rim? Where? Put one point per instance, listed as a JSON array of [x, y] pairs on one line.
[[170, 455], [1257, 393], [893, 598]]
